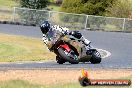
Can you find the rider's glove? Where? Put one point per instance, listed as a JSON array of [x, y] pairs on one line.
[[76, 34], [71, 33]]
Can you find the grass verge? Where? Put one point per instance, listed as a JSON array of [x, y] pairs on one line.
[[58, 78], [54, 7], [8, 3], [6, 16], [20, 48], [19, 84], [25, 84]]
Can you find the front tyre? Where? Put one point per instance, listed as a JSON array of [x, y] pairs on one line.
[[71, 57], [96, 57], [59, 60]]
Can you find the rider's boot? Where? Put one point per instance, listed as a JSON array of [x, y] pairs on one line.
[[86, 42]]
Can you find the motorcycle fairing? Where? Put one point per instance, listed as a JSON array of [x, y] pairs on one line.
[[65, 46]]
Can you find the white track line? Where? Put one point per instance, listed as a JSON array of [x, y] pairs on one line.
[[20, 63], [40, 62], [107, 53]]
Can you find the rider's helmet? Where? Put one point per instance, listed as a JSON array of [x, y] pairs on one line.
[[45, 26]]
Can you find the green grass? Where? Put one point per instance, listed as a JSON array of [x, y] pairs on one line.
[[54, 7], [26, 84], [8, 3], [20, 48], [19, 84], [6, 16], [77, 85]]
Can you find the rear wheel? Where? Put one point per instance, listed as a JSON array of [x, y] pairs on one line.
[[71, 57], [96, 57]]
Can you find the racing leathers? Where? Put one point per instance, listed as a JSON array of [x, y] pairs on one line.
[[66, 31]]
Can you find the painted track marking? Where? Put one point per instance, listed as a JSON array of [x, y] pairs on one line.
[[107, 53]]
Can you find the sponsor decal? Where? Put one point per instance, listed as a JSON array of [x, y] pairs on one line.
[[84, 80]]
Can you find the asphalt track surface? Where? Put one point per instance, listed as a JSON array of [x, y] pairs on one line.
[[117, 43]]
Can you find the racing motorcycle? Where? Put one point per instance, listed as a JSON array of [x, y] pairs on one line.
[[70, 49]]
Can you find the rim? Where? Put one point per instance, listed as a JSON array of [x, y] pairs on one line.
[[97, 54]]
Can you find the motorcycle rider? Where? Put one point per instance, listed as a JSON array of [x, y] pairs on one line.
[[46, 27]]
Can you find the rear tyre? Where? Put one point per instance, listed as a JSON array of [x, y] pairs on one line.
[[59, 60], [96, 57], [73, 59]]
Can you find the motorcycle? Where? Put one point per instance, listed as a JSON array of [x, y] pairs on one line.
[[70, 49]]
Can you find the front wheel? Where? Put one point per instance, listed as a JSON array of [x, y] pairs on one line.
[[59, 60], [96, 57], [71, 57]]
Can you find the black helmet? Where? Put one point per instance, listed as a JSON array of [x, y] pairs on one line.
[[45, 26]]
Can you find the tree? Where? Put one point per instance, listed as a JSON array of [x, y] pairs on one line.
[[33, 16], [91, 7], [34, 4], [122, 8]]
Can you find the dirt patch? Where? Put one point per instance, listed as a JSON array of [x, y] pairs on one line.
[[60, 76]]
